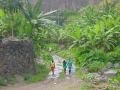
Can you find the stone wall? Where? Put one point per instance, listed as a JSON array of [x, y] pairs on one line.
[[16, 57]]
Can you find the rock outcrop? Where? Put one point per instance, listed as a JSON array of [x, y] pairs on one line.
[[110, 73], [16, 57]]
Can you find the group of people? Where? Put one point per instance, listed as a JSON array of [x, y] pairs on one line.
[[66, 64]]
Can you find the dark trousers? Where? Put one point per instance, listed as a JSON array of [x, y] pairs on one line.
[[69, 70]]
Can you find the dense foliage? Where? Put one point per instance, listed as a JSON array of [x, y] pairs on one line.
[[94, 31], [96, 35]]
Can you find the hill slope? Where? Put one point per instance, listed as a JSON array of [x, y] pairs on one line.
[[48, 5]]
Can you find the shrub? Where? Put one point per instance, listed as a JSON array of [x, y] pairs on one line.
[[95, 66], [84, 58], [114, 56], [3, 81], [47, 57], [42, 73], [116, 79], [7, 80]]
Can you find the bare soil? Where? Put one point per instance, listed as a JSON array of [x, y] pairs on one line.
[[69, 83]]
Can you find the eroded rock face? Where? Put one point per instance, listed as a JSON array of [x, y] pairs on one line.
[[16, 57]]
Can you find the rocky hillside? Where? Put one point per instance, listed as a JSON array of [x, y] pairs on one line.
[[48, 5]]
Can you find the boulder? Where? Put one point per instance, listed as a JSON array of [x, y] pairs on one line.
[[101, 79], [117, 65], [103, 69], [91, 76], [110, 73]]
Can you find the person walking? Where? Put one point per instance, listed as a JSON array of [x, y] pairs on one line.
[[64, 66], [52, 67], [69, 64]]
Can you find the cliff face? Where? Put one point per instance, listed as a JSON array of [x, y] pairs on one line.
[[48, 5]]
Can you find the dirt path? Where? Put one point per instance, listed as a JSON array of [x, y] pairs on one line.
[[72, 83], [52, 83], [59, 67]]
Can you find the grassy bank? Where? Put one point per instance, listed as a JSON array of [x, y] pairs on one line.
[[7, 80], [41, 74]]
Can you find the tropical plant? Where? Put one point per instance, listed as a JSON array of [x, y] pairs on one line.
[[114, 56], [95, 66], [95, 34], [10, 7]]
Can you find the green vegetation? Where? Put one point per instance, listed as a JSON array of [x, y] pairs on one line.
[[115, 79], [93, 38], [90, 36], [95, 35], [81, 74], [86, 87], [5, 80], [95, 66], [41, 74]]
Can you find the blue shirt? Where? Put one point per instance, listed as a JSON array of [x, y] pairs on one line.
[[69, 63]]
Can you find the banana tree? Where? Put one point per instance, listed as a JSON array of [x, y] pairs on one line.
[[31, 12], [10, 8]]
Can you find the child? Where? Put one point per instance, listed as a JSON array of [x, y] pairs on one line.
[[52, 67], [69, 65], [64, 66]]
